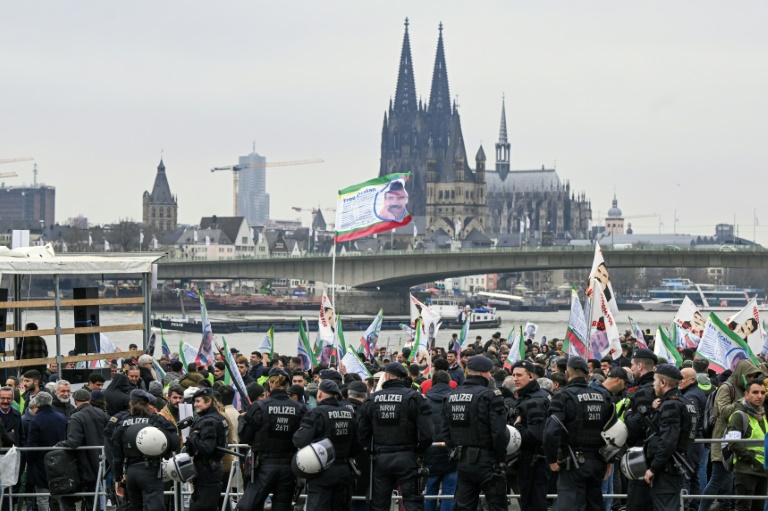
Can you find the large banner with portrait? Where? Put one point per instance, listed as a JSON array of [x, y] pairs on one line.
[[746, 324], [722, 346], [599, 272], [372, 207]]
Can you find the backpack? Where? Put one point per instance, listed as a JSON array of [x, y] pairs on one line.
[[728, 455], [62, 472], [710, 418]]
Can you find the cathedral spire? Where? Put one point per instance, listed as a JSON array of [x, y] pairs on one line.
[[502, 147], [439, 96], [405, 96], [503, 125]]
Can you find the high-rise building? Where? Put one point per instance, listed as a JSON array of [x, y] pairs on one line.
[[27, 206], [252, 197], [160, 208]]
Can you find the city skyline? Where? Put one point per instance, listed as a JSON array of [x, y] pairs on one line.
[[644, 100]]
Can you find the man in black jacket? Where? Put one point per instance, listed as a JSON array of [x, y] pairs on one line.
[[643, 363], [118, 394], [85, 428], [442, 470], [395, 422], [527, 414]]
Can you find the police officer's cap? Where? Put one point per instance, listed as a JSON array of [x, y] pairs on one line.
[[396, 369], [525, 364], [480, 364], [646, 353], [669, 370], [618, 372], [278, 371], [204, 392], [579, 364], [358, 386], [329, 387], [330, 374], [139, 394]]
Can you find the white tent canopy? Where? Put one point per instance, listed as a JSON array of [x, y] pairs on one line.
[[44, 262]]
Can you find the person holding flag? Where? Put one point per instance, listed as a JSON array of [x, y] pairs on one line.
[[395, 422]]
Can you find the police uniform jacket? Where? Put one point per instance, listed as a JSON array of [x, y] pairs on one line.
[[124, 449], [86, 428], [674, 419], [584, 411], [476, 416], [333, 421], [109, 431], [208, 432], [531, 406], [268, 425], [397, 418], [641, 395], [694, 394]]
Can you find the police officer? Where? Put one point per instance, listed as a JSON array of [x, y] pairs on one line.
[[331, 488], [674, 418], [396, 423], [268, 426], [528, 414], [577, 416], [643, 363], [207, 434], [474, 422], [143, 477]]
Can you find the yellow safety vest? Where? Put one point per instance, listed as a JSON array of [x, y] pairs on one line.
[[621, 408], [757, 434]]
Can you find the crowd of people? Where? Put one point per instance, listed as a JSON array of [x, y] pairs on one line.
[[547, 424]]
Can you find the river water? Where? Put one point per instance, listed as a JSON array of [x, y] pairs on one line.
[[551, 324]]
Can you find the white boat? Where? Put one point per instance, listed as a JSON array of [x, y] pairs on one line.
[[447, 308], [673, 305], [707, 297]]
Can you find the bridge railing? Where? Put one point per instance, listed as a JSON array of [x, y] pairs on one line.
[[725, 249]]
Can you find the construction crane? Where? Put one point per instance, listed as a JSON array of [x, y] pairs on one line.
[[236, 169], [14, 160]]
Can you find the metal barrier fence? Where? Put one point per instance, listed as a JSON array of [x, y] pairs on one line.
[[235, 478]]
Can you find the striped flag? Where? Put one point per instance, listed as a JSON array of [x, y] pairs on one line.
[[665, 348], [304, 350], [267, 344]]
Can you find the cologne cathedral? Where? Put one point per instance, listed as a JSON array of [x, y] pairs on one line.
[[426, 139]]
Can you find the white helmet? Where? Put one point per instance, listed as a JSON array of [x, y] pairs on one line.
[[151, 441], [313, 458], [179, 468], [515, 440], [189, 392], [633, 464], [615, 436]]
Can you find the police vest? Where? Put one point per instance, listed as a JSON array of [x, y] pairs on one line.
[[593, 410], [213, 419], [758, 433], [461, 407], [689, 418], [389, 412], [339, 428], [281, 418], [132, 426]]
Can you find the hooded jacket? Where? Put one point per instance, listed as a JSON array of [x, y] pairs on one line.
[[118, 394], [724, 407]]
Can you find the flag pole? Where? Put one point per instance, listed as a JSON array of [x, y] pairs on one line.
[[333, 274], [589, 321]]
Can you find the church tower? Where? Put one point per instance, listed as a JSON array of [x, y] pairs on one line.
[[502, 146], [614, 220], [160, 208]]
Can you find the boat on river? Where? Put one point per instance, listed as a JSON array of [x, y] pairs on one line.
[[707, 297]]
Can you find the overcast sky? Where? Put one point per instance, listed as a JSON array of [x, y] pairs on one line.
[[663, 101]]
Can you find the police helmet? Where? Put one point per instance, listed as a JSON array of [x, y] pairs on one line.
[[615, 436], [151, 441], [513, 445], [313, 458], [633, 464], [179, 468], [189, 394]]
